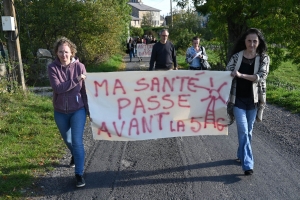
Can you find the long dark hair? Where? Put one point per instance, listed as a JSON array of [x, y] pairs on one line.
[[240, 43]]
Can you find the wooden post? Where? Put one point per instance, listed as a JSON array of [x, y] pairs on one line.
[[13, 44], [171, 13]]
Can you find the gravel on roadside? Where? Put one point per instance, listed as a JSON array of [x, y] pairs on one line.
[[281, 127]]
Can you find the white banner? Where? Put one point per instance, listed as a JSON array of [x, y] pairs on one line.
[[140, 105], [144, 50]]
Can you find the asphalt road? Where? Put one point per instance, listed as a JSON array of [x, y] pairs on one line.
[[137, 63], [199, 167]]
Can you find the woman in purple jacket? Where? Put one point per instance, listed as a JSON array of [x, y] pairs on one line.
[[67, 75]]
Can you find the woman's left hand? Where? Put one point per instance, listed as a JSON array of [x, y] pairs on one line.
[[81, 77], [235, 73]]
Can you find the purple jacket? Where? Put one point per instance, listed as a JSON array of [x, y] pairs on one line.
[[69, 95]]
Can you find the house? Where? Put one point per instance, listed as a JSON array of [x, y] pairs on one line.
[[141, 11], [163, 21]]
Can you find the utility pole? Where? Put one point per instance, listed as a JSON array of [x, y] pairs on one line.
[[13, 43], [171, 13]]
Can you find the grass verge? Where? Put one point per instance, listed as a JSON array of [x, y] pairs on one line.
[[29, 141], [283, 87], [115, 63], [181, 62]]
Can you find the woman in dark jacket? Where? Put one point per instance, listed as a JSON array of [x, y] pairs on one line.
[[130, 49], [67, 75]]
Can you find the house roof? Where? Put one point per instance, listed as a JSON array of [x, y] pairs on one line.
[[143, 7], [133, 18]]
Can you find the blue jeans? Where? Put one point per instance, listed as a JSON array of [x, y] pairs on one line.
[[71, 128], [245, 120], [131, 54]]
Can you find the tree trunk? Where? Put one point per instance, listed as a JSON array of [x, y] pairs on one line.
[[235, 30]]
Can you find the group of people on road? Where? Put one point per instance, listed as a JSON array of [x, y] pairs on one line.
[[131, 47], [249, 66], [164, 55]]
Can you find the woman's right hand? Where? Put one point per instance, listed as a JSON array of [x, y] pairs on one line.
[[91, 120]]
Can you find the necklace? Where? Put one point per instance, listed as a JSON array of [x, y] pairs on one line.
[[248, 61]]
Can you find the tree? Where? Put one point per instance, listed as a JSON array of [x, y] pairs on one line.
[[237, 16], [186, 25], [134, 31], [147, 19], [98, 28]]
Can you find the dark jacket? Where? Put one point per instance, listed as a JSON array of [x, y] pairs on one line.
[[131, 48], [69, 95], [164, 56]]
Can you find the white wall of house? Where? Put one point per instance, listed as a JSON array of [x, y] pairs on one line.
[[136, 23], [154, 15]]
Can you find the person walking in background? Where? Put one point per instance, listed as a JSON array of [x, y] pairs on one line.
[[249, 66], [130, 49], [139, 41], [134, 47], [153, 40], [144, 39], [163, 54], [196, 55], [67, 75]]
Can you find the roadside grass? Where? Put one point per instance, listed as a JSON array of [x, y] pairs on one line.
[[212, 57], [181, 62], [31, 145], [283, 87], [29, 141], [115, 63]]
